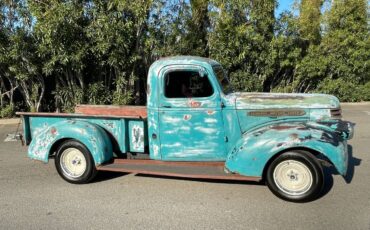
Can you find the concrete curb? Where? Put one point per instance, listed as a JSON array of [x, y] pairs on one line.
[[10, 121]]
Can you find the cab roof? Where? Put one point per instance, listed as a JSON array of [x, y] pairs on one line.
[[184, 60]]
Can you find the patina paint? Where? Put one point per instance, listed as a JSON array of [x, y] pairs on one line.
[[191, 129], [117, 130], [153, 132], [155, 104], [285, 100], [257, 147], [137, 136], [320, 115], [192, 135], [248, 121], [233, 132], [50, 130]]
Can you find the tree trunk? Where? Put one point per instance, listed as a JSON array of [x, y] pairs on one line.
[[1, 92], [42, 85], [26, 95]]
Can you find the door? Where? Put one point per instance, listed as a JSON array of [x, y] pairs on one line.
[[190, 115]]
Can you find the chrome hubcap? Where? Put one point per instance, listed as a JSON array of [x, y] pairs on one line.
[[73, 163], [293, 177]]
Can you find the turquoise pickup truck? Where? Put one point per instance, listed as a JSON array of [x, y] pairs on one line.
[[194, 125]]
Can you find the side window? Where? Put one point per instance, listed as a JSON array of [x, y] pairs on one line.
[[186, 84]]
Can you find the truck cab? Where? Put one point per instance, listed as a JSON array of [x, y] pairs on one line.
[[185, 101], [195, 125]]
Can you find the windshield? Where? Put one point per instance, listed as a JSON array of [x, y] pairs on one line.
[[222, 79]]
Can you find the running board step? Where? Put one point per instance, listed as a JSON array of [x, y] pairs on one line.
[[197, 170]]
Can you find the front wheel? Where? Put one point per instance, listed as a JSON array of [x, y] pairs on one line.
[[295, 176], [74, 162]]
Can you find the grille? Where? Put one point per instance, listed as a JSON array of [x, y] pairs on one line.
[[336, 113]]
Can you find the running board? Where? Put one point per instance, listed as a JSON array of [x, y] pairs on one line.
[[196, 170]]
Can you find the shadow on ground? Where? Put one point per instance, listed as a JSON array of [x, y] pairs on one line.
[[353, 162], [217, 181], [106, 175]]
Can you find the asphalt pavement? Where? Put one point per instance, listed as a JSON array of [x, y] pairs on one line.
[[33, 196]]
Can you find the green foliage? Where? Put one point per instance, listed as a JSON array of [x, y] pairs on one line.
[[7, 111], [96, 51], [309, 20], [341, 56], [120, 97], [345, 91], [69, 98], [98, 94]]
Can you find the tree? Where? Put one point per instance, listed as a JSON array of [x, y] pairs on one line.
[[342, 56], [198, 25], [20, 65], [241, 40], [309, 21], [63, 45], [96, 51], [26, 67], [117, 32]]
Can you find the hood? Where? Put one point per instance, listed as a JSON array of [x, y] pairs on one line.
[[284, 100]]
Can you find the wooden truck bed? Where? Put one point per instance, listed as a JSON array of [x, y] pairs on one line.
[[111, 110]]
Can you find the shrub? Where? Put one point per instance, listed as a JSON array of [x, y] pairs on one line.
[[344, 90], [7, 112], [98, 94]]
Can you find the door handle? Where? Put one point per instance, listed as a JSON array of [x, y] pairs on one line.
[[166, 106]]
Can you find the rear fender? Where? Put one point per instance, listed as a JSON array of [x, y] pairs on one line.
[[253, 151], [91, 135]]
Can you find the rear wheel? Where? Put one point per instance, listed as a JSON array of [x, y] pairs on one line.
[[295, 176], [74, 162]]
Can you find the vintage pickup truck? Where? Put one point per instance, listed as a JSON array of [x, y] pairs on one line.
[[196, 126]]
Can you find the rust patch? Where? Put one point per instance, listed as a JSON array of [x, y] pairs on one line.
[[187, 117], [139, 111], [211, 112], [276, 113], [194, 104], [170, 163], [283, 127], [53, 131], [294, 136], [275, 97]]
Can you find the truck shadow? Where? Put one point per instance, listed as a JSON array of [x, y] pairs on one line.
[[352, 163], [330, 171], [106, 175], [215, 181]]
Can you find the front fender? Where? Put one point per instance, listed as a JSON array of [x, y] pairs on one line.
[[253, 151], [91, 135]]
